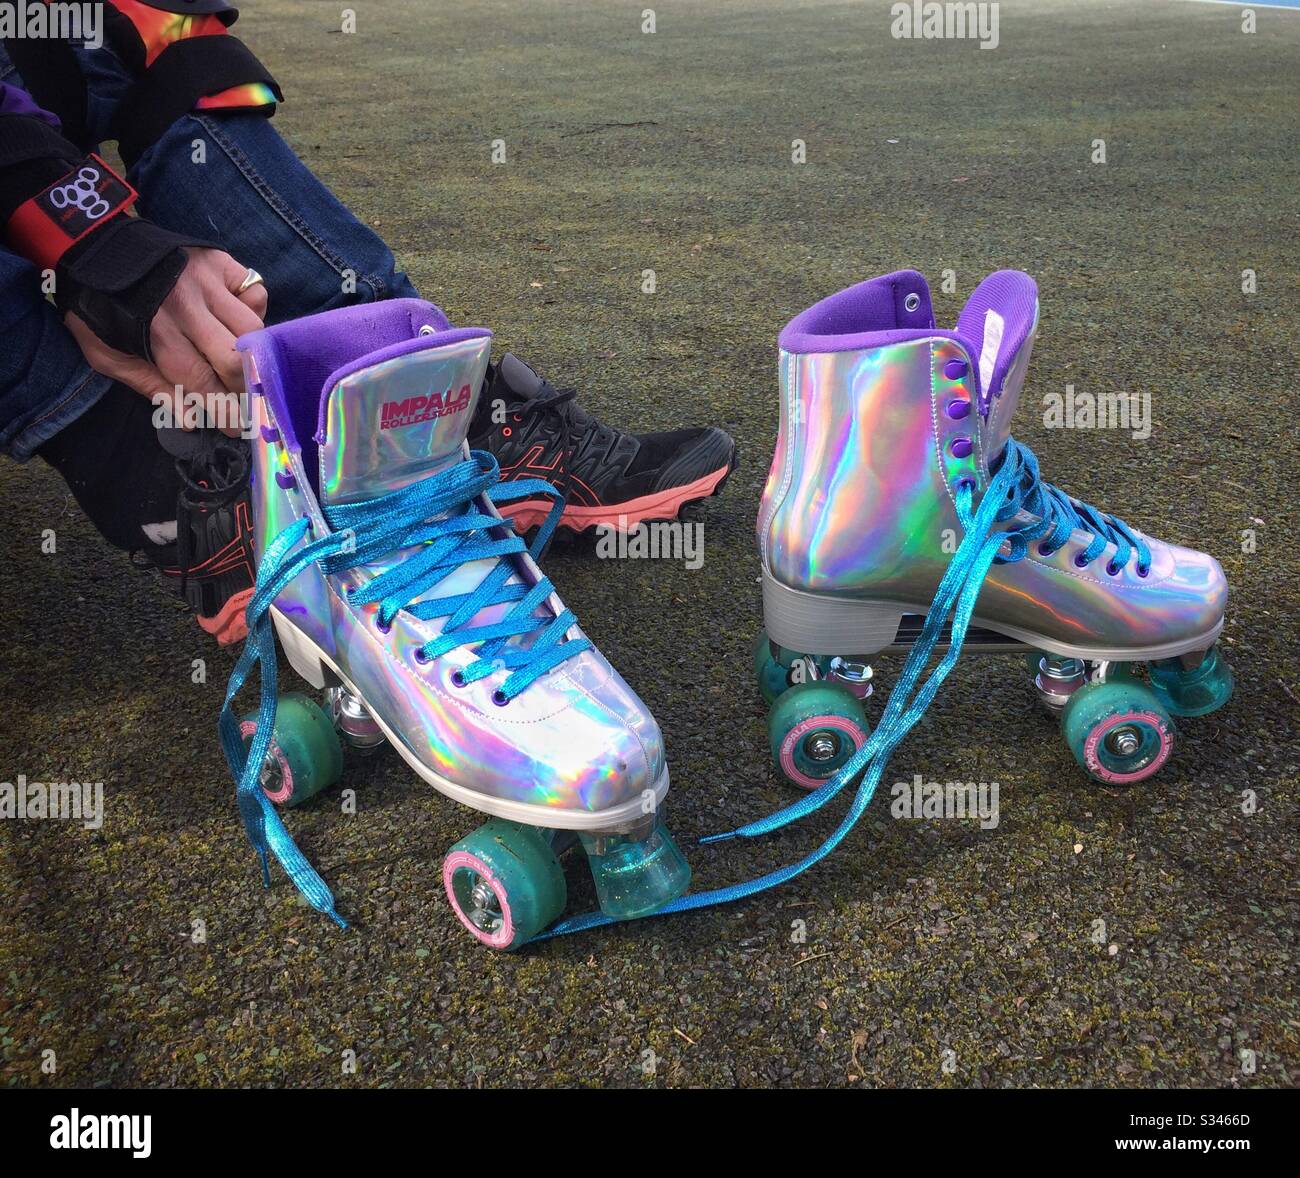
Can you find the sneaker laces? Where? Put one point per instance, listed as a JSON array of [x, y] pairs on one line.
[[1014, 486], [211, 479], [439, 520], [575, 424]]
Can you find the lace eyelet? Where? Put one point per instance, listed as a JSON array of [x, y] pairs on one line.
[[1081, 561], [419, 656], [506, 431], [457, 679], [500, 698], [381, 626], [1144, 572], [1045, 549], [1113, 569]]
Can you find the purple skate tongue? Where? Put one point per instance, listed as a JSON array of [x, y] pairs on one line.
[[399, 414], [997, 325]]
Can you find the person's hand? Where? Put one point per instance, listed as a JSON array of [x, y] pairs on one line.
[[193, 334], [145, 379], [192, 337]]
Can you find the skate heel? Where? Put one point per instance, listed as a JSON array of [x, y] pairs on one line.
[[299, 650], [817, 624]]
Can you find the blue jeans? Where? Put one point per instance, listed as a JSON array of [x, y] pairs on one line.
[[251, 196]]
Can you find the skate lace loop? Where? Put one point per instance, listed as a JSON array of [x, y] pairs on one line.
[[1060, 515], [955, 597], [370, 530]]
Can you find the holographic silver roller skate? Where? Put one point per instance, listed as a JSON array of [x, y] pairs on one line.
[[395, 586], [896, 494]]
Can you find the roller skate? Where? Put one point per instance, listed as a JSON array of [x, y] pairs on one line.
[[396, 588], [893, 450]]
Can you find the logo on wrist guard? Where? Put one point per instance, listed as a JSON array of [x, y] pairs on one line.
[[45, 227]]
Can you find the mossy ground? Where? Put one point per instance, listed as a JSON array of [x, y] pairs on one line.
[[935, 954]]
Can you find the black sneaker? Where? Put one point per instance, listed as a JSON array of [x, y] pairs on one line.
[[606, 476], [212, 559]]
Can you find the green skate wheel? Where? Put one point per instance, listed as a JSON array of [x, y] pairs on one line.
[[814, 728], [1192, 693], [1118, 731], [772, 677], [305, 755], [504, 883]]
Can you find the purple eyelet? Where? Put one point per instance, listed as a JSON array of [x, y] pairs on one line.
[[1081, 561], [1144, 572], [955, 369], [500, 698], [961, 447], [965, 481], [957, 409], [457, 679], [1045, 549], [1113, 569], [420, 656], [382, 626]]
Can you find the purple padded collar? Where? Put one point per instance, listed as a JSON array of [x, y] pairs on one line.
[[300, 362], [887, 310], [876, 314]]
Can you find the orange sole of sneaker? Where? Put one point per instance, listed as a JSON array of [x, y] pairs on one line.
[[229, 626], [663, 505]]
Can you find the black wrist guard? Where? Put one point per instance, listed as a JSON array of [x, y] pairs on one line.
[[118, 278], [110, 269]]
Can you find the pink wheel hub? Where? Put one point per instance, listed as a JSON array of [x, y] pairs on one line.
[[464, 861], [1109, 724], [285, 792], [815, 724]]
